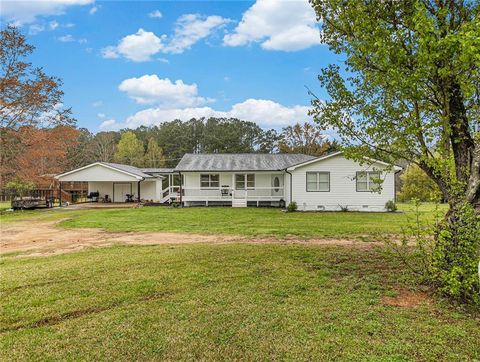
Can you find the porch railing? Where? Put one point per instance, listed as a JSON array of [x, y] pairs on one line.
[[226, 194]]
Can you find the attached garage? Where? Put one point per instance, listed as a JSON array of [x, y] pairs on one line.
[[114, 181]]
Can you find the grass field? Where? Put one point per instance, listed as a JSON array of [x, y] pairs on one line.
[[4, 205], [249, 222], [224, 302]]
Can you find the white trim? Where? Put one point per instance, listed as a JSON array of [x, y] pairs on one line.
[[292, 168], [99, 164]]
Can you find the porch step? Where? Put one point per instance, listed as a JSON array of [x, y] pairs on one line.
[[239, 203]]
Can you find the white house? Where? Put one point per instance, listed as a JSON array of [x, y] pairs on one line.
[[329, 182]]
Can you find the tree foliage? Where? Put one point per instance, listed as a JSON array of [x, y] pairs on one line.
[[28, 97], [410, 89], [154, 155], [417, 185], [129, 150], [307, 139]]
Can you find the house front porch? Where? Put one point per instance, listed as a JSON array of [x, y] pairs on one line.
[[239, 189]]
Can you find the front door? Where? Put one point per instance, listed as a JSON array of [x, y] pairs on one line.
[[120, 191], [277, 185]]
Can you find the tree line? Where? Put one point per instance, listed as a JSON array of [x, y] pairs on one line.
[[33, 154]]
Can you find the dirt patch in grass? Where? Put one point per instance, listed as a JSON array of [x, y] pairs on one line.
[[407, 299], [43, 238]]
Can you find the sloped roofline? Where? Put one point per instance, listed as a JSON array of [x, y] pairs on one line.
[[101, 164], [268, 169], [321, 158]]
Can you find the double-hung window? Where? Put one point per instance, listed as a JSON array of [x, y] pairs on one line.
[[318, 181], [244, 180], [367, 181], [210, 181]]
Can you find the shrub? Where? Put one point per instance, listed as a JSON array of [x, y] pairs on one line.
[[390, 206], [445, 254], [19, 187], [292, 207], [344, 208]]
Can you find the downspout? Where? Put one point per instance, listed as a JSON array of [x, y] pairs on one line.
[[291, 196]]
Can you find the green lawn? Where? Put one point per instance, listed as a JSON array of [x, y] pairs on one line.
[[249, 222], [4, 205], [224, 302]]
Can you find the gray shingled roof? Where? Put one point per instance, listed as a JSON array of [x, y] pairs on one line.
[[130, 169], [240, 162], [157, 170]]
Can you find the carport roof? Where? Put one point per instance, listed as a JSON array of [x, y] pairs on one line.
[[130, 170], [126, 168]]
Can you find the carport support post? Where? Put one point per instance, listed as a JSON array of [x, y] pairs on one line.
[[60, 194], [138, 190]]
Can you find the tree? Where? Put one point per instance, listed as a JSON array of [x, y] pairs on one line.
[[154, 155], [43, 152], [81, 154], [28, 97], [104, 146], [307, 139], [417, 185], [129, 150], [410, 90]]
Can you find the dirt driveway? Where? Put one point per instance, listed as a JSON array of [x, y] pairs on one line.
[[42, 238]]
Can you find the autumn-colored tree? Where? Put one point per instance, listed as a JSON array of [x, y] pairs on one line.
[[307, 139], [129, 150], [43, 152], [154, 155], [28, 97]]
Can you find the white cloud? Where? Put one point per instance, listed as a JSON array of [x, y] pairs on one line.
[[66, 38], [287, 25], [266, 113], [190, 28], [110, 52], [53, 25], [97, 103], [138, 47], [93, 10], [34, 29], [149, 89], [163, 60], [155, 14], [24, 12], [70, 38], [109, 125], [142, 45], [101, 115]]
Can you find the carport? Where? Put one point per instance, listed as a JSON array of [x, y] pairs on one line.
[[114, 181]]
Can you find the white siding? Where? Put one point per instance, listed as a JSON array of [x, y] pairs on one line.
[[97, 173], [342, 187], [149, 190]]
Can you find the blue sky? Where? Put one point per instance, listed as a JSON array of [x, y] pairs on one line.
[[126, 63]]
